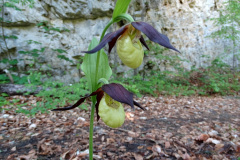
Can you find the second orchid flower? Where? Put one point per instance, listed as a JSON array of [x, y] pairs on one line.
[[129, 40]]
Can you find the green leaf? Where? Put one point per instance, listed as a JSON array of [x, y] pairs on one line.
[[93, 73], [4, 94], [121, 7], [60, 50], [64, 57], [13, 62]]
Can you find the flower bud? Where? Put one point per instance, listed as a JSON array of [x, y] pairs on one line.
[[130, 51], [111, 112]]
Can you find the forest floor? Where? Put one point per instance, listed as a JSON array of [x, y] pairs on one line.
[[170, 128]]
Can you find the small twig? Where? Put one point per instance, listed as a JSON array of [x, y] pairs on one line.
[[9, 75], [123, 130], [184, 146]]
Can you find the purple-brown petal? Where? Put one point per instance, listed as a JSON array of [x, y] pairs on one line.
[[112, 43], [153, 34], [118, 93], [143, 42], [99, 97], [109, 38], [137, 104], [79, 102]]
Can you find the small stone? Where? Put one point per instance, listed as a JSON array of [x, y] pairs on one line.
[[5, 116], [81, 118], [213, 133], [32, 126], [14, 149], [129, 139], [214, 141]]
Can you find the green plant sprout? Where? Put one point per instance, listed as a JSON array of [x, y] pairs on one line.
[[107, 97]]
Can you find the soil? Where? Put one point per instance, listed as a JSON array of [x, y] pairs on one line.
[[186, 128]]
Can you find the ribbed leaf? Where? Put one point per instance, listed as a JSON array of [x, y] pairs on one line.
[[93, 73], [121, 7]]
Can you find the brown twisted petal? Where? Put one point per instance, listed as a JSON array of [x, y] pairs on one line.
[[80, 101], [109, 38], [99, 97], [143, 42], [120, 94], [153, 34]]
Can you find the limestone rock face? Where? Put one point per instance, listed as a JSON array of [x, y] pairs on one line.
[[77, 9], [55, 28], [187, 24]]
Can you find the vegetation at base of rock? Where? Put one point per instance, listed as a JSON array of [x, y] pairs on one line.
[[217, 79], [203, 81]]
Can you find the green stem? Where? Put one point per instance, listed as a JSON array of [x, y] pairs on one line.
[[118, 18], [91, 129], [94, 99], [98, 53]]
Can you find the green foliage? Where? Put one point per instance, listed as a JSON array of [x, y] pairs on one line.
[[9, 37], [94, 71], [47, 27], [62, 56], [11, 5], [209, 81], [34, 52], [3, 100], [229, 21], [55, 94], [120, 7]]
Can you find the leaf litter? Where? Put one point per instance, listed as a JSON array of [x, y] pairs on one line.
[[185, 128]]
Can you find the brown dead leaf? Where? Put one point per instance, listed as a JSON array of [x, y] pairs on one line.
[[186, 156], [167, 145], [132, 134], [129, 116], [218, 146], [214, 141], [13, 149], [69, 154], [238, 148], [110, 140], [157, 149], [202, 137], [31, 155], [137, 156], [11, 156], [83, 153]]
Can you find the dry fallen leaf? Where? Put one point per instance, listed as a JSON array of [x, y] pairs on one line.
[[138, 156], [149, 135], [31, 155], [202, 137], [167, 144], [214, 141], [157, 148]]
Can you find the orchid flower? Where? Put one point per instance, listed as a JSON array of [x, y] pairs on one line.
[[108, 106], [129, 40]]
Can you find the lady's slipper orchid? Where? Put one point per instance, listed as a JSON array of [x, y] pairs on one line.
[[128, 40], [108, 106]]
